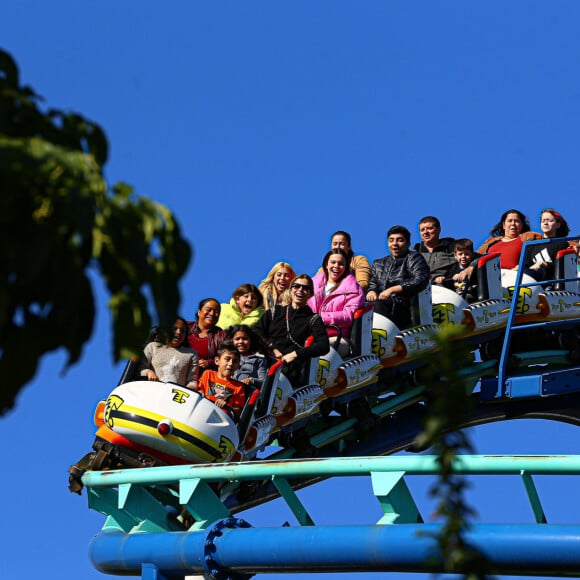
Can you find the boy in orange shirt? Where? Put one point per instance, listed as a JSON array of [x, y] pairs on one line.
[[219, 386]]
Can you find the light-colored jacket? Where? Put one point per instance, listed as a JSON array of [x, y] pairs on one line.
[[362, 270], [172, 365], [339, 306], [230, 314]]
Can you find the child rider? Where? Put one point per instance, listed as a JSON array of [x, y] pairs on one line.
[[462, 277], [219, 386]]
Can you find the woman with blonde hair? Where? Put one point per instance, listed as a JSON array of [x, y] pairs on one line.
[[274, 287]]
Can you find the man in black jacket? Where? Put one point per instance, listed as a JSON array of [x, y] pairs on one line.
[[398, 277]]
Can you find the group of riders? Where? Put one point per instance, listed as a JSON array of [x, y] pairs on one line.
[[229, 346]]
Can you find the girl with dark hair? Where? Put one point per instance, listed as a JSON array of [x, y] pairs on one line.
[[204, 335], [245, 307], [500, 228], [168, 360], [254, 353], [359, 265], [337, 295], [508, 236]]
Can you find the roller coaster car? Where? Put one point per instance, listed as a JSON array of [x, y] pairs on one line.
[[145, 423], [169, 421]]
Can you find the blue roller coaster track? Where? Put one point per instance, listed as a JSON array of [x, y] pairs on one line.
[[170, 521]]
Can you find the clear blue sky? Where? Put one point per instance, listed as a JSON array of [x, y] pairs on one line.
[[265, 126]]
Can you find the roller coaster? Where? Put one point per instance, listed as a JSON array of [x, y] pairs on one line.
[[524, 342]]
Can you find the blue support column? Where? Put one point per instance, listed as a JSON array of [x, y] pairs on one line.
[[151, 572]]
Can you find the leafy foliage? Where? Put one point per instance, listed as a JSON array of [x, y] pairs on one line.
[[448, 406], [59, 219]]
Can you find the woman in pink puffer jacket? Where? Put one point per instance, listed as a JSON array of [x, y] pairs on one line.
[[337, 294]]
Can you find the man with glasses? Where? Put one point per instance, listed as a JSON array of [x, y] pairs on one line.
[[286, 329]]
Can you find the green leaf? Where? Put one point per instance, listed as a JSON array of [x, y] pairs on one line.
[[59, 219]]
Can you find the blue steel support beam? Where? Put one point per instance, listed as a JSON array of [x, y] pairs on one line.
[[546, 550]]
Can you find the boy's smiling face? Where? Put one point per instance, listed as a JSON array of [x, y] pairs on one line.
[[463, 257]]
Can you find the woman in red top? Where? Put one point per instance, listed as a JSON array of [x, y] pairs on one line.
[[508, 237]]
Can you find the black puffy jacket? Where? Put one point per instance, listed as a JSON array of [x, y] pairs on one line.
[[411, 272]]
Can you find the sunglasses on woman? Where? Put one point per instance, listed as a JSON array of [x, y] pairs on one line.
[[297, 286]]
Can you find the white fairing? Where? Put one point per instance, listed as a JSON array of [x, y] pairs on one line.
[[528, 297], [201, 433], [447, 305], [282, 392], [424, 299], [384, 333], [328, 365]]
